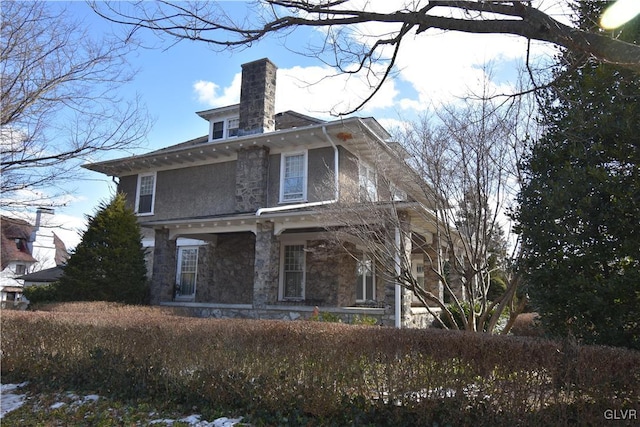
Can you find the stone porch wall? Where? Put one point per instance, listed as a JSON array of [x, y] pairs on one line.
[[226, 279]]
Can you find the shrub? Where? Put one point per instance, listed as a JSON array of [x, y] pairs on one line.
[[42, 293], [317, 373], [458, 316]]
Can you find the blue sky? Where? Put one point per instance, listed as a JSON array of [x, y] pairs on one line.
[[175, 82]]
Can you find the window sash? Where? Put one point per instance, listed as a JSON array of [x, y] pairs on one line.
[[232, 127], [368, 187], [293, 272], [293, 177], [217, 130], [146, 189], [187, 272], [365, 279]]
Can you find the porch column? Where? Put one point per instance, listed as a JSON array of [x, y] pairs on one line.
[[163, 278], [397, 298], [265, 284]]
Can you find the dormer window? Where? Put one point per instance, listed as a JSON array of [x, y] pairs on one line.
[[217, 130], [227, 128], [233, 125]]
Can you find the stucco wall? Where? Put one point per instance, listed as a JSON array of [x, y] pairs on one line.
[[211, 189]]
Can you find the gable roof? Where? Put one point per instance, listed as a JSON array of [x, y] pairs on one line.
[[15, 236], [48, 275]]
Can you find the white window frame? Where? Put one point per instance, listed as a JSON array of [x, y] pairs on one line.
[[153, 193], [368, 181], [212, 123], [363, 285], [228, 122], [418, 272], [283, 160], [189, 297], [281, 293]]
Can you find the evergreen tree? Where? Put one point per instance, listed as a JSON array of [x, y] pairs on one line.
[[108, 264], [580, 205]]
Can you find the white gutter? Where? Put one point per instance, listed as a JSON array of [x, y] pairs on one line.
[[312, 204], [297, 206]]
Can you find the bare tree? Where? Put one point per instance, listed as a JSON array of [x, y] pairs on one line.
[[464, 160], [60, 101], [352, 43]]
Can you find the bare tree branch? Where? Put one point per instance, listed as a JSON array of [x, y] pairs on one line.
[[221, 27], [60, 102]]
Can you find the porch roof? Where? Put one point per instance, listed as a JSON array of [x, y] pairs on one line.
[[203, 226], [297, 217]]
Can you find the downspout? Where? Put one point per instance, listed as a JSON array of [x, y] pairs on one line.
[[398, 293], [311, 204], [336, 159]]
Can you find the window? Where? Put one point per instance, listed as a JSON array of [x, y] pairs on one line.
[[365, 279], [293, 177], [417, 270], [146, 190], [293, 272], [232, 127], [187, 272], [368, 189], [21, 269], [217, 130]]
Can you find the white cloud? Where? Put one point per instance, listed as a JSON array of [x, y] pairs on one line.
[[436, 67], [316, 91], [208, 93]]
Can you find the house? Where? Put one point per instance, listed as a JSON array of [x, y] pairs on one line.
[[16, 259], [25, 250], [42, 277], [235, 220]]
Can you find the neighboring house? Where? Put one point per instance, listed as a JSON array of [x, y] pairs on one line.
[[26, 249], [234, 222], [16, 259], [43, 277]]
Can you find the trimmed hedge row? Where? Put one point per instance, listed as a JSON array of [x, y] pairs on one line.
[[320, 373]]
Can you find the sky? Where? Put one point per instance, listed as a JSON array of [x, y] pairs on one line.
[[175, 82]]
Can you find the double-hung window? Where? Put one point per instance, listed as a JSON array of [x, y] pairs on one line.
[[368, 188], [146, 194], [293, 274], [187, 273], [217, 130], [232, 127], [293, 177], [365, 279]]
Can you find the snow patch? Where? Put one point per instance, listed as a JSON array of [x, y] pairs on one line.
[[10, 401]]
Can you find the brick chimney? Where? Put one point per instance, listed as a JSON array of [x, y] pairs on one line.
[[257, 97]]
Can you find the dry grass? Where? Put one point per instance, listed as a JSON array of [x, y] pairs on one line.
[[319, 371]]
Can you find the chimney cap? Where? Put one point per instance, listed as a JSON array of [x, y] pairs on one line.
[[258, 61]]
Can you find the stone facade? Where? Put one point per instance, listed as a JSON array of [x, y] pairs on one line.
[[266, 266], [257, 97], [329, 272], [251, 179], [225, 269], [164, 267]]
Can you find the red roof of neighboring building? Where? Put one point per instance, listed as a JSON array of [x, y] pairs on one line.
[[15, 236]]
